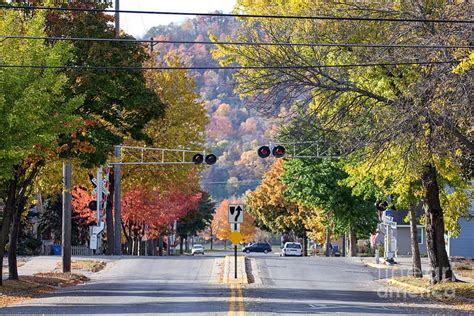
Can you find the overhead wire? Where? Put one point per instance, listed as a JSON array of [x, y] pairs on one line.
[[237, 15], [139, 68], [240, 43]]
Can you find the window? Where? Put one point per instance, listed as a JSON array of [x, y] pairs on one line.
[[419, 235]]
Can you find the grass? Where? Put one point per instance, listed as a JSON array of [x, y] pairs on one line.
[[28, 287], [460, 294]]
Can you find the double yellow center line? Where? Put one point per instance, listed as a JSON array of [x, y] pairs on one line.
[[236, 306]]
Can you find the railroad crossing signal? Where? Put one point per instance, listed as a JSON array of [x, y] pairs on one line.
[[277, 151], [208, 159], [236, 214]]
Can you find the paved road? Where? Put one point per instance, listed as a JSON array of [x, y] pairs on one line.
[[318, 285], [140, 286], [187, 286]]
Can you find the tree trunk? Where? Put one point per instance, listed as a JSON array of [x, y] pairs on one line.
[[109, 219], [12, 262], [439, 261], [415, 250], [212, 239], [160, 246], [353, 243], [328, 237], [344, 244], [181, 239], [305, 245], [12, 259], [8, 212]]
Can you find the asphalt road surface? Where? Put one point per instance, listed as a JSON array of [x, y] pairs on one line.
[[318, 285], [188, 286]]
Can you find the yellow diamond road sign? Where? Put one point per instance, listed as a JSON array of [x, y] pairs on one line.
[[236, 237]]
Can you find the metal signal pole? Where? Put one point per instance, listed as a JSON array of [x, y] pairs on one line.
[[118, 210]]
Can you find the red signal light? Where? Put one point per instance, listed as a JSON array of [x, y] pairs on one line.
[[279, 151], [264, 152]]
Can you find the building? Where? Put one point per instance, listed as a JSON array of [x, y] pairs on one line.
[[404, 235], [463, 245]]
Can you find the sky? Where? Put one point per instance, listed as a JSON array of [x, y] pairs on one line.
[[138, 24]]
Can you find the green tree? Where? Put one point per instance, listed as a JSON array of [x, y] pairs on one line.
[[422, 111], [318, 184], [196, 220], [34, 111]]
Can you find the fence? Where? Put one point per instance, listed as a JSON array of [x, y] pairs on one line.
[[81, 251]]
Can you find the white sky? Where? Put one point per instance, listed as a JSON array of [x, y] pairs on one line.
[[138, 24]]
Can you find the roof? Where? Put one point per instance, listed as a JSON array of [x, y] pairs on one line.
[[400, 215]]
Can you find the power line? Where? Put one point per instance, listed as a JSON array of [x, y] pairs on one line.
[[236, 15], [153, 42], [138, 68]]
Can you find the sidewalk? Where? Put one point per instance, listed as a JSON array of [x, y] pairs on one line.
[[39, 264], [403, 267]]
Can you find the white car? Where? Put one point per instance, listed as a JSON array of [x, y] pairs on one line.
[[197, 249], [292, 249]]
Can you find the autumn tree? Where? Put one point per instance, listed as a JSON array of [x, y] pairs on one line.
[[275, 211], [420, 111], [221, 222]]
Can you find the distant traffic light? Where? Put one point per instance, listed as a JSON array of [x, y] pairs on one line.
[[209, 159], [264, 152], [198, 159], [279, 151]]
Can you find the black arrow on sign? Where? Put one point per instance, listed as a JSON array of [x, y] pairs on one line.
[[238, 211]]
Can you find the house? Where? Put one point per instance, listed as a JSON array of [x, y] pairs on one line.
[[404, 235], [463, 245]]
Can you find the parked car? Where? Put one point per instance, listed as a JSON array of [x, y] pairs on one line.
[[258, 247], [292, 249], [197, 249]]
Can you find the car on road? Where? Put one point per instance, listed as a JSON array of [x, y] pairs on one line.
[[258, 247], [197, 249], [292, 249]]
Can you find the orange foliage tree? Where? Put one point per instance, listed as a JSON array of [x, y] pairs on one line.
[[221, 224]]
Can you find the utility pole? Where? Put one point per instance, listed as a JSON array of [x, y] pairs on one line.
[[117, 176], [117, 18], [118, 210], [66, 217]]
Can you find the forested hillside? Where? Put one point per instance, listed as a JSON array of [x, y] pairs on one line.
[[233, 133]]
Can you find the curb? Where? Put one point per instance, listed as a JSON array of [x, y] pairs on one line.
[[418, 289], [380, 266], [229, 277]]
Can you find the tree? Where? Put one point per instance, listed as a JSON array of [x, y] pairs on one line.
[[275, 211], [34, 112], [421, 110], [148, 213], [182, 126], [197, 219], [318, 184], [221, 222]]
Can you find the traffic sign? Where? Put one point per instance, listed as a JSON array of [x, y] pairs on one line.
[[236, 237], [236, 213], [234, 227]]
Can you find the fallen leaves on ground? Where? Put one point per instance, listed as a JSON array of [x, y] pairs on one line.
[[87, 265], [460, 294], [28, 287]]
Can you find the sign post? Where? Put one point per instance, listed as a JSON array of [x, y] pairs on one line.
[[236, 216]]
